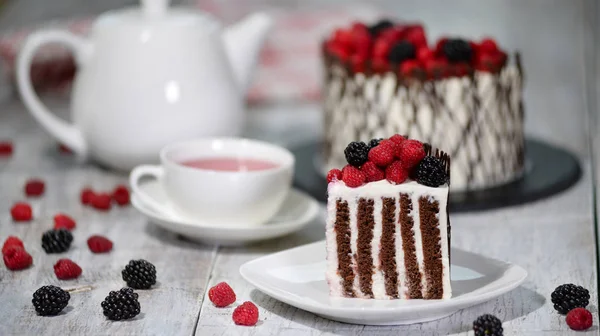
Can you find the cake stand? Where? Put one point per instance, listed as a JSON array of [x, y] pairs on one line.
[[550, 170]]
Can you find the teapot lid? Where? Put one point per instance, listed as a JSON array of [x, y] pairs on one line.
[[158, 12]]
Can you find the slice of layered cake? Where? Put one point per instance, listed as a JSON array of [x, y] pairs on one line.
[[388, 230]]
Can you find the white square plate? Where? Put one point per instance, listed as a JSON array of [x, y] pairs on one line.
[[297, 277]]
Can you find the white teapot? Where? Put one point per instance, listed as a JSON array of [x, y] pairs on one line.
[[147, 77]]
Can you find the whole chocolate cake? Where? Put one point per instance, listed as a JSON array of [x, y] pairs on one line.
[[462, 95], [388, 230]]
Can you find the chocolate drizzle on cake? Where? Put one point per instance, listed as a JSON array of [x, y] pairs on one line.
[[387, 254], [344, 253], [432, 250], [364, 257], [413, 275]]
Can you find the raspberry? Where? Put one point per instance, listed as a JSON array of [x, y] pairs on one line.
[[396, 173], [381, 155], [460, 69], [86, 196], [34, 187], [21, 212], [439, 47], [358, 62], [334, 175], [343, 37], [411, 152], [66, 269], [16, 258], [6, 148], [488, 46], [411, 68], [416, 36], [62, 221], [121, 195], [424, 55], [222, 295], [579, 319], [353, 177], [380, 65], [99, 244], [338, 50], [359, 28], [246, 314], [12, 241], [101, 201], [391, 145], [397, 138], [381, 49], [372, 172]]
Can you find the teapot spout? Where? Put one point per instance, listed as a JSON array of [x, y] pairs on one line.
[[243, 42]]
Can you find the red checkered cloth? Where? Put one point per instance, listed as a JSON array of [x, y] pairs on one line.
[[289, 64]]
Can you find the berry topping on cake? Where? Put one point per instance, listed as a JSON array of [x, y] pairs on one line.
[[431, 172], [410, 153], [12, 241], [372, 172], [397, 138], [221, 295], [21, 212], [62, 221], [353, 177], [569, 296], [411, 68], [380, 26], [66, 269], [382, 155], [245, 314], [334, 175], [139, 274], [357, 153], [56, 241], [99, 244], [34, 187], [487, 325], [579, 319], [458, 50], [396, 173], [50, 300], [488, 46], [121, 305], [374, 143], [16, 258], [401, 52]]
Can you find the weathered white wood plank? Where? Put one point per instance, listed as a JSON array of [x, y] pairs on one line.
[[554, 249], [171, 308]]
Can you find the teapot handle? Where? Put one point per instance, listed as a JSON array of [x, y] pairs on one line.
[[66, 133]]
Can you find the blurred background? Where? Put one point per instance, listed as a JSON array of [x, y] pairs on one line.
[[558, 40]]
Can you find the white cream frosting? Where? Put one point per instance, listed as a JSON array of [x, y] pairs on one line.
[[377, 191], [478, 122]]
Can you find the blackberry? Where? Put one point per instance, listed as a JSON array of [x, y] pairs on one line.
[[431, 172], [139, 274], [374, 143], [569, 296], [121, 305], [56, 241], [50, 300], [458, 50], [401, 52], [380, 26], [487, 325], [357, 153]]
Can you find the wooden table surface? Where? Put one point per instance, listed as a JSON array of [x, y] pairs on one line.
[[553, 239]]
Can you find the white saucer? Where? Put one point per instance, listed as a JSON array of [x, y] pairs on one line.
[[297, 277], [296, 212]]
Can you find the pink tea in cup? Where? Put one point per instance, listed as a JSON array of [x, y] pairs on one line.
[[230, 164]]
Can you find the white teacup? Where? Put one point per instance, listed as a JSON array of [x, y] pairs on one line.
[[215, 196]]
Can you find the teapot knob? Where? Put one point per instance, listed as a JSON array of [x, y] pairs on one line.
[[154, 8]]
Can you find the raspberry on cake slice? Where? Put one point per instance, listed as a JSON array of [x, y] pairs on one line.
[[387, 227]]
